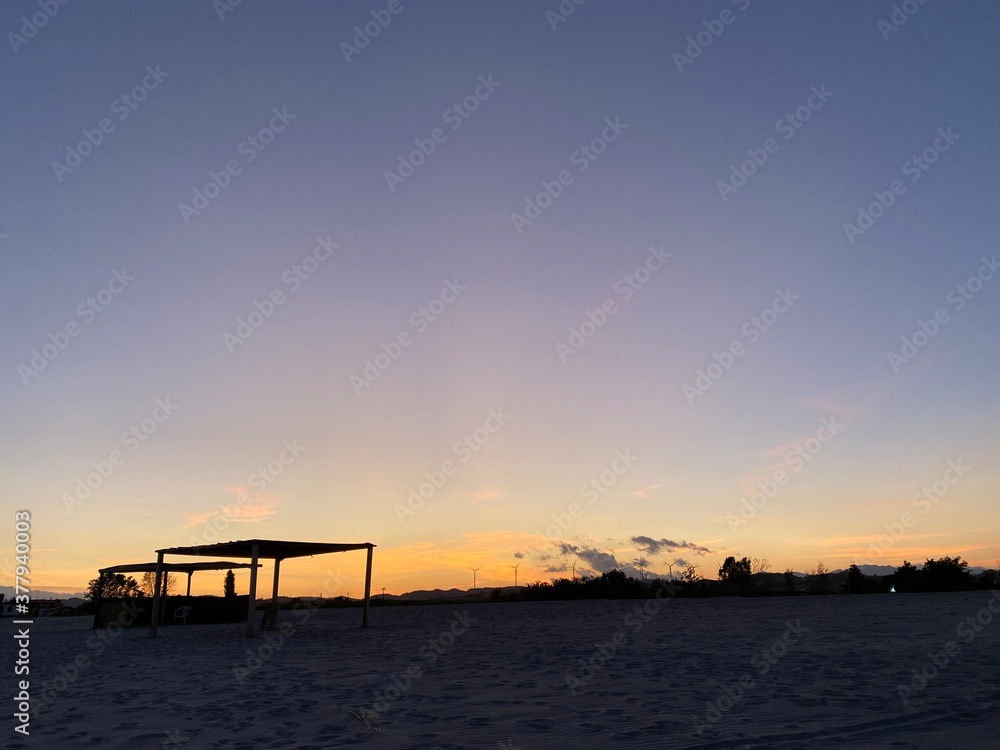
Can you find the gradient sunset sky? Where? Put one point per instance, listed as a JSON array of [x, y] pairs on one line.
[[499, 356]]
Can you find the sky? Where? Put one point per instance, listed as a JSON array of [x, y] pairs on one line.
[[498, 284]]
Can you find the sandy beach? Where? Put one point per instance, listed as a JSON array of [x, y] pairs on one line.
[[816, 672]]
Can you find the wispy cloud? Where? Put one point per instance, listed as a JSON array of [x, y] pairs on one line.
[[645, 492], [781, 455], [251, 512], [486, 493]]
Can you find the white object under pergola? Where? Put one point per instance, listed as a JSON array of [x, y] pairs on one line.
[[257, 549]]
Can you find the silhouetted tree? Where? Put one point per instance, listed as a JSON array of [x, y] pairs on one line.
[[789, 581], [946, 574], [856, 580], [148, 581], [690, 575], [229, 585], [907, 577], [613, 584], [819, 580], [987, 579], [735, 570], [736, 575], [112, 586], [759, 567]]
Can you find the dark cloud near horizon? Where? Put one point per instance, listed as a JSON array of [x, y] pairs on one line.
[[655, 546], [599, 560]]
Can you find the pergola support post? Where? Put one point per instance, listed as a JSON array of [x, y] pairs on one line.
[[368, 586], [274, 588], [190, 573], [154, 616], [252, 603]]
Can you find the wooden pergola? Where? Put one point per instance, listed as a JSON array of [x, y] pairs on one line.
[[257, 549]]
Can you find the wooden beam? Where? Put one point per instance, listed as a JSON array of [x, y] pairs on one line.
[[252, 604], [368, 586], [154, 616], [274, 590], [190, 573]]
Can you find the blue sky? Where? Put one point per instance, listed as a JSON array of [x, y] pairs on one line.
[[323, 175]]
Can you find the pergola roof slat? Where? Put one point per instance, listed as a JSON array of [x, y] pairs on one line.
[[189, 567], [267, 548]]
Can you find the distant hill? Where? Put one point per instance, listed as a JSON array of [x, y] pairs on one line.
[[874, 570], [67, 599]]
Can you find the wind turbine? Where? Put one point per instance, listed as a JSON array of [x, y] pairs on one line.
[[671, 566], [474, 575], [515, 567], [573, 567]]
